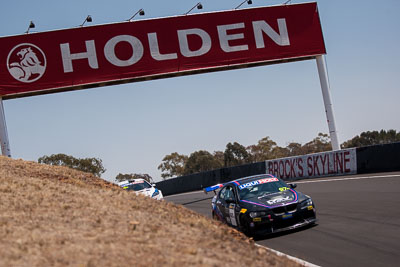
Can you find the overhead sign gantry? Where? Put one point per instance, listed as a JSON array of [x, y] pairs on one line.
[[86, 57]]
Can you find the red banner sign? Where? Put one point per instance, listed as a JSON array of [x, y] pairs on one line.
[[84, 57]]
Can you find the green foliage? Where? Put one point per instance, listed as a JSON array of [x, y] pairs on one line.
[[219, 158], [373, 138], [294, 149], [319, 144], [123, 177], [173, 165], [265, 149], [236, 154], [200, 161], [279, 152], [90, 165]]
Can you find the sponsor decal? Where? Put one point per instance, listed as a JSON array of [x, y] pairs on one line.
[[287, 216], [243, 210], [232, 215], [257, 182], [278, 205], [278, 200], [331, 163], [26, 63]]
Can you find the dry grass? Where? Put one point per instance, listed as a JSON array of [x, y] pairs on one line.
[[55, 216]]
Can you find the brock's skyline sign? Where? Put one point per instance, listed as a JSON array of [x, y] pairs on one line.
[[100, 55]]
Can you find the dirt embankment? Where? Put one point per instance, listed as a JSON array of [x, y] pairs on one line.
[[55, 216]]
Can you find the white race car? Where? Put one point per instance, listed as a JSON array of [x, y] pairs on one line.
[[141, 186]]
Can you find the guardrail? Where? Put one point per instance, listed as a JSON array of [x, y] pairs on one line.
[[370, 159]]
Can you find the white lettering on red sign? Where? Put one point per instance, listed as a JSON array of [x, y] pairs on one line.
[[259, 27], [85, 57], [314, 165], [155, 49], [224, 38], [90, 54], [184, 44], [137, 50]]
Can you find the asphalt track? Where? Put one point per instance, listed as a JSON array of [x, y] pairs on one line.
[[358, 221]]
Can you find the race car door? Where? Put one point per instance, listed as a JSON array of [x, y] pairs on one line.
[[227, 204]]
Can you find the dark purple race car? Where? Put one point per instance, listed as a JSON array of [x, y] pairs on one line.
[[261, 204]]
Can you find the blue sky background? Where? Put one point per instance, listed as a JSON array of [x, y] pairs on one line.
[[132, 127]]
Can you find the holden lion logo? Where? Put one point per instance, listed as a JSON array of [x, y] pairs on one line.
[[26, 63]]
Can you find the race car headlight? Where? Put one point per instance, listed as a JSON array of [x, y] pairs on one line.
[[155, 193], [255, 214], [307, 202]]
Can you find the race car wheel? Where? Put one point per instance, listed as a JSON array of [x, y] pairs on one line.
[[214, 216], [244, 226]]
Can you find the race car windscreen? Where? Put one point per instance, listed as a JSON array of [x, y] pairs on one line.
[[262, 189], [137, 186]]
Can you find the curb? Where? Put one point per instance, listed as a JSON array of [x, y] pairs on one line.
[[297, 260]]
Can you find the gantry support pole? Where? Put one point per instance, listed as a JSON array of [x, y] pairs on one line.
[[326, 94], [5, 145]]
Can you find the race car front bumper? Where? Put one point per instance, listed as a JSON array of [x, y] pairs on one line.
[[283, 222]]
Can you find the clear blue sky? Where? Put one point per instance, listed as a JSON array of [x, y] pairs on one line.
[[132, 127]]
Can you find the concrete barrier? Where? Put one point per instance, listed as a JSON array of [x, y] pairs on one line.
[[370, 159], [330, 163], [378, 158], [198, 181]]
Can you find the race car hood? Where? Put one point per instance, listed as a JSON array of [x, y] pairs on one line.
[[147, 192], [271, 200]]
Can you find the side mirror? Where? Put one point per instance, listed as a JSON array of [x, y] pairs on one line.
[[293, 186]]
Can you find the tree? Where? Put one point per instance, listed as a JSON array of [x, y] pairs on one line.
[[294, 149], [219, 159], [236, 154], [90, 165], [200, 161], [373, 138], [123, 177], [173, 165], [279, 152], [319, 144], [263, 150]]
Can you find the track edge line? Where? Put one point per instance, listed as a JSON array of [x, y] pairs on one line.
[[281, 254]]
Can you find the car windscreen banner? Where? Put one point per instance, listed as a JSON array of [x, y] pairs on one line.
[[91, 56], [331, 163]]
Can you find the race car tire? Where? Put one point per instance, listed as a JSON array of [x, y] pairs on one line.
[[214, 216], [244, 226]]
